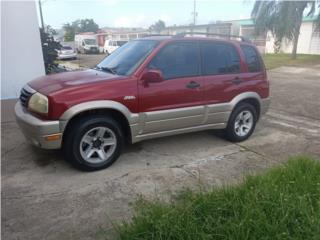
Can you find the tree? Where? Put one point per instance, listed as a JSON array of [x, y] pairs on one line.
[[51, 31], [49, 47], [69, 32], [282, 18], [88, 25], [157, 26], [80, 25]]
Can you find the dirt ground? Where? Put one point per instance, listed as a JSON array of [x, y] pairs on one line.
[[88, 60], [43, 197]]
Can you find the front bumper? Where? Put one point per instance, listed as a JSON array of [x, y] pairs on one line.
[[41, 133], [67, 56]]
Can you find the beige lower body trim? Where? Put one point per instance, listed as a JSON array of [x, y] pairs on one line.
[[178, 131], [177, 121]]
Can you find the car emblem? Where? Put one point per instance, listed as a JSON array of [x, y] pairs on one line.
[[129, 97]]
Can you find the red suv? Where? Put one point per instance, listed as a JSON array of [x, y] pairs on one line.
[[151, 87]]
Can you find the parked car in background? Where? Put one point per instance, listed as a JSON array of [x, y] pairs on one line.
[[148, 88], [86, 43], [66, 52], [111, 45]]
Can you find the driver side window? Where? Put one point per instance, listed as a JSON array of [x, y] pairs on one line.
[[177, 60]]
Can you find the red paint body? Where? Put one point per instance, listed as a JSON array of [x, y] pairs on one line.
[[65, 90]]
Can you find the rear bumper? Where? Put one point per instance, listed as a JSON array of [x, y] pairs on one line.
[[265, 103], [38, 131]]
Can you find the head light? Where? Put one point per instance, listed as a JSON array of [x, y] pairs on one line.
[[38, 103]]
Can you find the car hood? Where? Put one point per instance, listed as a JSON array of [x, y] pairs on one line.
[[60, 81]]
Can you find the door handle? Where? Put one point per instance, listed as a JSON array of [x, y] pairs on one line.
[[237, 80], [193, 85]]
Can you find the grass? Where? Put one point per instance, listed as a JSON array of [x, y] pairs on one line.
[[283, 203], [281, 59]]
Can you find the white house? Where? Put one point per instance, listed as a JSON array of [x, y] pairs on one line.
[[309, 39], [21, 53]]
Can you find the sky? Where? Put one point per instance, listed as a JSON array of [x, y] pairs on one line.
[[143, 13]]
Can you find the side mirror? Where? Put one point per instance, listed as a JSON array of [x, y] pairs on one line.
[[152, 76]]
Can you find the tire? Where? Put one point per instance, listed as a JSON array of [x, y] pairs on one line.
[[242, 111], [107, 53], [88, 129]]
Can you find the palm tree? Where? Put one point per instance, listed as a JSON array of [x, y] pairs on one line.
[[283, 18], [157, 26]]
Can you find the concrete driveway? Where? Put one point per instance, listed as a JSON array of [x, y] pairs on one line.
[[44, 198]]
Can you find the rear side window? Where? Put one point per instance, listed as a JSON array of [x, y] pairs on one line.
[[219, 58], [252, 58], [177, 60]]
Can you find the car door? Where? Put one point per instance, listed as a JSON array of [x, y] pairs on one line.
[[255, 76], [178, 101], [222, 76]]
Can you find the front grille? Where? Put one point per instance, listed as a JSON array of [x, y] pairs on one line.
[[24, 97], [93, 49]]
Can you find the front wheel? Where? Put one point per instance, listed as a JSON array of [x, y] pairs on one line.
[[93, 142], [241, 123]]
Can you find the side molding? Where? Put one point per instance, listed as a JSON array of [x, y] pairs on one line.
[[101, 104]]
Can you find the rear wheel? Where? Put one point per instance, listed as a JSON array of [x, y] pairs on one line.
[[241, 123], [93, 142]]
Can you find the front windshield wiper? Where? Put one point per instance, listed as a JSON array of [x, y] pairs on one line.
[[106, 69]]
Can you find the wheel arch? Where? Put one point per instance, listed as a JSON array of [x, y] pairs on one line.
[[252, 98], [114, 109]]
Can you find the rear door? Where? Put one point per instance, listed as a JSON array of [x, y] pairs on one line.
[[255, 77], [221, 69], [178, 101]]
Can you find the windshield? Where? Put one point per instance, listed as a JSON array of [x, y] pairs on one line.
[[126, 59], [90, 41]]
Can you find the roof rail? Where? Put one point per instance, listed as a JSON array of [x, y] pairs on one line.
[[183, 34]]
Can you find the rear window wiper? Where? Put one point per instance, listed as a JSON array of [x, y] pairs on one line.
[[106, 69]]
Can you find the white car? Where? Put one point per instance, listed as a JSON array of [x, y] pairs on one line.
[[111, 45], [66, 52]]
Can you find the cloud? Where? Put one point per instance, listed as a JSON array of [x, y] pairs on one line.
[[109, 3], [166, 18], [139, 20]]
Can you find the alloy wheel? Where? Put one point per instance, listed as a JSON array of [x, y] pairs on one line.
[[98, 144]]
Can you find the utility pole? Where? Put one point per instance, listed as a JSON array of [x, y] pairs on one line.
[[194, 12], [41, 17]]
